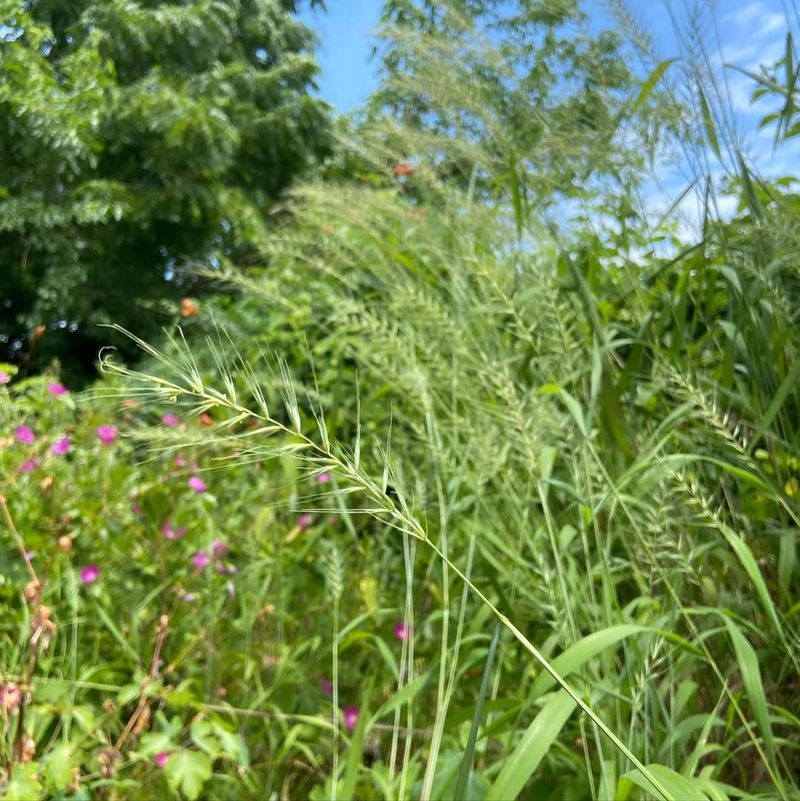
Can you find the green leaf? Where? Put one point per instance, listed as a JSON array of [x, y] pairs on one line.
[[203, 736], [233, 744], [749, 563], [650, 83], [750, 672], [465, 770], [575, 410], [787, 385], [581, 652], [154, 742], [23, 784], [401, 697], [679, 787], [354, 754], [187, 772], [532, 748], [59, 767], [708, 122]]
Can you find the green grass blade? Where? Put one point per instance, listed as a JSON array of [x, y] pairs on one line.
[[466, 761], [749, 563], [787, 385], [650, 83], [399, 698], [753, 683], [581, 652], [354, 754], [532, 748], [708, 122], [678, 786]]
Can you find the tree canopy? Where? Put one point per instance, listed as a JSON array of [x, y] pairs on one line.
[[139, 140]]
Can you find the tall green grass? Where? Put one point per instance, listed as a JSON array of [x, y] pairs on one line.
[[585, 460]]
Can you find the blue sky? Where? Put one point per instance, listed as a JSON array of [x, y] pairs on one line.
[[742, 32], [749, 31], [345, 34]]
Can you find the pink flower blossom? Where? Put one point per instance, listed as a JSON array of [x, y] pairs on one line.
[[324, 478], [90, 574], [162, 758], [325, 686], [188, 597], [24, 434], [201, 560], [4, 377], [304, 521], [10, 696], [57, 389], [29, 466], [219, 549], [197, 484], [107, 434], [350, 717], [61, 446], [172, 533], [136, 509], [179, 461], [170, 420], [402, 631]]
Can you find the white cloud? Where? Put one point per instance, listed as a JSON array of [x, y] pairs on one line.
[[744, 13]]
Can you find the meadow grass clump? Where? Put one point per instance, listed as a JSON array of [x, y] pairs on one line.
[[451, 502]]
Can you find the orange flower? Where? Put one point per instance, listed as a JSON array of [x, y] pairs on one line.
[[206, 419], [403, 168], [37, 333], [189, 308]]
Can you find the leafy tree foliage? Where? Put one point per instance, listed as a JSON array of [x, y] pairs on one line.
[[537, 95], [139, 140]]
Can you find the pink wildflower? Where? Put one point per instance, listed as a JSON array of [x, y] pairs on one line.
[[324, 478], [304, 521], [197, 484], [325, 686], [162, 758], [218, 550], [57, 389], [61, 446], [24, 434], [90, 574], [29, 466], [179, 461], [402, 631], [170, 420], [201, 560], [172, 533], [10, 696], [350, 717], [4, 377], [107, 434], [188, 597]]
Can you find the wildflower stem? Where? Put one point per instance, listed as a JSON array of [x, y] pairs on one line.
[[18, 538]]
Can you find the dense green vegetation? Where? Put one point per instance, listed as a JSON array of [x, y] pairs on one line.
[[139, 141], [441, 498]]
